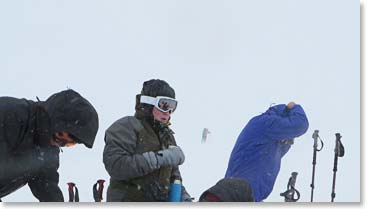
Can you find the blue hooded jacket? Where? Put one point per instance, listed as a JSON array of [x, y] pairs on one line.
[[257, 154]]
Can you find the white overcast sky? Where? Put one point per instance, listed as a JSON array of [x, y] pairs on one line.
[[228, 60]]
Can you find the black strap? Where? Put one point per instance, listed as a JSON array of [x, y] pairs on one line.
[[289, 195], [73, 197], [98, 192], [339, 146]]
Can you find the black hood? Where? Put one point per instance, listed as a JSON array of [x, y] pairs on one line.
[[69, 112], [231, 190], [156, 87]]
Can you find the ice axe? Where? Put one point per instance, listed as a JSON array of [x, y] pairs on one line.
[[98, 192], [73, 197]]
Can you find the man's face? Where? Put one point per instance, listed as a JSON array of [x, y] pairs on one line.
[[62, 139], [161, 116]]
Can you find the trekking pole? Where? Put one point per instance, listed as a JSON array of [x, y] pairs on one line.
[[73, 197], [339, 152], [315, 137], [291, 190], [98, 192]]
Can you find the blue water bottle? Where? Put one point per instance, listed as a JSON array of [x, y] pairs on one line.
[[175, 191]]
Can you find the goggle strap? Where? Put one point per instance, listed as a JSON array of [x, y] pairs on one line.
[[147, 100]]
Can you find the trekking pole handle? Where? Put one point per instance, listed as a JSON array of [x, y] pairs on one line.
[[315, 137], [339, 149], [337, 140], [293, 179], [315, 134], [338, 136]]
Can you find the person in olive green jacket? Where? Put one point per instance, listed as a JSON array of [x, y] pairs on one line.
[[141, 154]]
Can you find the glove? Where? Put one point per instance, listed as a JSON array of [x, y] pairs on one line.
[[173, 156]]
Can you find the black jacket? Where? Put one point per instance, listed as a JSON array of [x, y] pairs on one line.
[[26, 128], [230, 190]]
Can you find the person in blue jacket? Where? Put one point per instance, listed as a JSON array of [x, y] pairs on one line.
[[257, 154]]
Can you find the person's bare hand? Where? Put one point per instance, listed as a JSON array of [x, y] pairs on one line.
[[290, 105]]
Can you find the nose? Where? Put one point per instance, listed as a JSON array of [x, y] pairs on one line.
[[167, 113]]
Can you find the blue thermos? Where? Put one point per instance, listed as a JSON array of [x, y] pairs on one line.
[[175, 191]]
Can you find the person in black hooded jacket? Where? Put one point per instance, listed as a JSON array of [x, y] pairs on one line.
[[31, 134]]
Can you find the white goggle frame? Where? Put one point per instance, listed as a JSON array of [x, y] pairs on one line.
[[155, 101]]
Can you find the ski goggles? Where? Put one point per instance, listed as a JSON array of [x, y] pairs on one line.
[[164, 104]]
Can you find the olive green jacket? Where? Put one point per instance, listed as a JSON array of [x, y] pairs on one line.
[[131, 177]]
